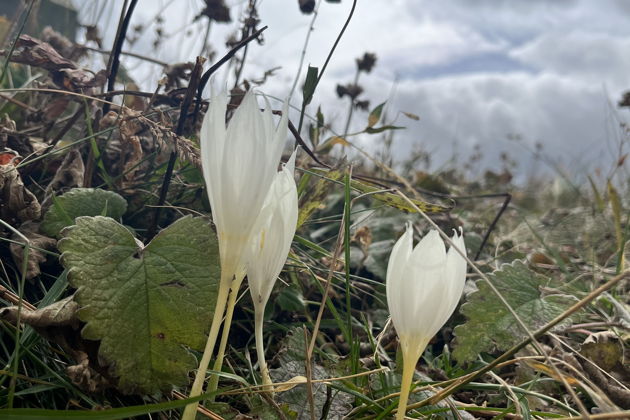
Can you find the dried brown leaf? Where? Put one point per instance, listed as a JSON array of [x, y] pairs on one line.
[[59, 324], [34, 52], [69, 175], [63, 45], [37, 243], [17, 204]]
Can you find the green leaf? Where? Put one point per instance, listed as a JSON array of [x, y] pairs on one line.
[[290, 299], [372, 130], [490, 326], [309, 85], [375, 115], [615, 204], [599, 201], [315, 130], [396, 201], [81, 202], [144, 303], [391, 199], [105, 414]]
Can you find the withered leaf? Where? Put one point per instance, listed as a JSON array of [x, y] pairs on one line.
[[79, 78], [63, 45], [69, 175], [37, 243], [17, 204], [59, 314], [34, 52], [59, 324]]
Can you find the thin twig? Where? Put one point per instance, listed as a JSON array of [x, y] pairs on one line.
[[18, 103], [183, 113], [206, 76], [251, 9], [322, 305], [114, 58], [351, 109], [69, 124], [25, 16], [332, 50], [130, 54], [308, 371], [303, 54]]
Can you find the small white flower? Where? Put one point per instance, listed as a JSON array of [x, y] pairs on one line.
[[423, 285], [269, 246], [272, 235], [239, 164]]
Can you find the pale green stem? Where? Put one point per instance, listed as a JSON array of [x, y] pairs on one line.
[[224, 287], [410, 358], [213, 384], [405, 387], [260, 345]]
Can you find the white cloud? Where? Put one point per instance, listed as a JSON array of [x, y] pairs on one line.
[[597, 57], [474, 71], [566, 116]]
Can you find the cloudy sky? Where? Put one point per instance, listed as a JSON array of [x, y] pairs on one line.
[[475, 72]]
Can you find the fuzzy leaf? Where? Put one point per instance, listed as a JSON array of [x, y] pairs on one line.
[[144, 303], [81, 202], [490, 326], [291, 359]]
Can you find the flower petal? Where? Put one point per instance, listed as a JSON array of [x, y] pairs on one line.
[[397, 277]]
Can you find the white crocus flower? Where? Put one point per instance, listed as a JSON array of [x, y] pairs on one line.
[[424, 285], [239, 164], [269, 247]]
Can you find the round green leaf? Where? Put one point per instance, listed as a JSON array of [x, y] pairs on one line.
[[81, 202], [490, 326], [144, 303]]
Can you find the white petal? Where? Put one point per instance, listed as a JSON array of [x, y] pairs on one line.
[[290, 165], [397, 277], [426, 268], [453, 284], [274, 229], [239, 170], [212, 140]]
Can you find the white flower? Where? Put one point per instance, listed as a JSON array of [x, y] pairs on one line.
[[239, 164], [423, 285], [268, 248], [272, 235]]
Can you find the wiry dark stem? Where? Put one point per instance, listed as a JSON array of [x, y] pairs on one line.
[[114, 58], [183, 113]]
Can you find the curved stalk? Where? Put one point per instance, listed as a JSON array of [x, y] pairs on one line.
[[213, 384], [405, 387], [219, 310], [411, 355], [260, 345]]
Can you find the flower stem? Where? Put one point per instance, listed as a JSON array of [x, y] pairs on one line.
[[260, 345], [409, 368], [213, 384], [411, 351], [191, 409]]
